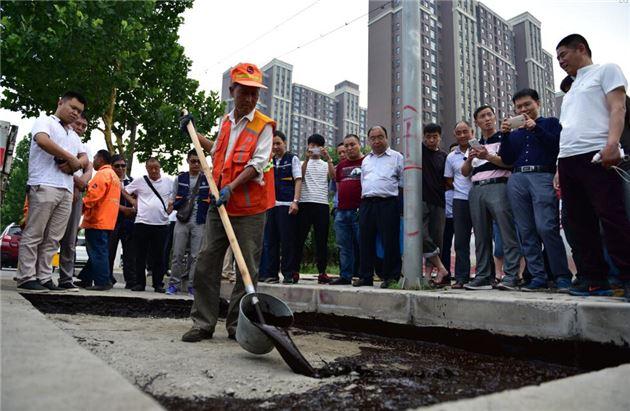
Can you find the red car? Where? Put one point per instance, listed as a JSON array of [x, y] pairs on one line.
[[11, 237]]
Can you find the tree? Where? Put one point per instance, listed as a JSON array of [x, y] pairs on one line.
[[16, 191], [122, 55]]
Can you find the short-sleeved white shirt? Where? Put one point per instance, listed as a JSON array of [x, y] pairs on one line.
[[453, 169], [315, 183], [381, 175], [150, 209], [42, 169], [585, 116]]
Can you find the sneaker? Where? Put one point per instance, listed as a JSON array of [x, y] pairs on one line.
[[590, 288], [83, 284], [563, 284], [535, 285], [191, 291], [104, 287], [272, 280], [172, 290], [507, 285], [296, 277], [340, 281], [459, 285], [68, 286], [32, 286], [479, 284], [323, 279], [50, 285], [196, 335]]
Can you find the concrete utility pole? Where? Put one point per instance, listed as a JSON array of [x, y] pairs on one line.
[[412, 127]]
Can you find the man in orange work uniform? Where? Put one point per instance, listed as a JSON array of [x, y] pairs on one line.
[[100, 211], [239, 157]]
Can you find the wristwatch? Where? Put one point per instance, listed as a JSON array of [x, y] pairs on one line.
[[296, 201]]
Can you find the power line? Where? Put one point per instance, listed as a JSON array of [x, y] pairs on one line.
[[274, 28], [321, 36]]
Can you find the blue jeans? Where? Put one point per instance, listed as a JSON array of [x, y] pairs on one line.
[[535, 207], [347, 234], [97, 267]]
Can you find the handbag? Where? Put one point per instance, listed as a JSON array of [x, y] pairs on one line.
[[185, 212]]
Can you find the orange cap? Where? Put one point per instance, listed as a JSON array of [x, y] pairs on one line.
[[247, 74]]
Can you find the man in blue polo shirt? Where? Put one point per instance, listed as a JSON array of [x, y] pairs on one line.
[[532, 150]]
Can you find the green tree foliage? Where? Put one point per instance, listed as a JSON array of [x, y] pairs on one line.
[[16, 190], [124, 56]]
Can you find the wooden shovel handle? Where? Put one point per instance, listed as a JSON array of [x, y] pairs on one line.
[[225, 219]]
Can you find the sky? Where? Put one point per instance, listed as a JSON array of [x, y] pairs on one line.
[[326, 41]]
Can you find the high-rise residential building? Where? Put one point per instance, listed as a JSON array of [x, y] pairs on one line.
[[300, 111], [313, 112], [534, 65], [469, 56]]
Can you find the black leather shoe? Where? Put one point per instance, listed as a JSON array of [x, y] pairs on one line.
[[99, 287], [196, 335], [340, 281], [137, 287], [83, 284], [159, 290], [361, 282], [232, 337]]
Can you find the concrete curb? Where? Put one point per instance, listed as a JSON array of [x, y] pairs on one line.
[[538, 315], [601, 390], [45, 369]]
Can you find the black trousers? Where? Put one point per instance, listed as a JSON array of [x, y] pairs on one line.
[[447, 243], [280, 238], [149, 242], [125, 236], [592, 194], [380, 215], [317, 216]]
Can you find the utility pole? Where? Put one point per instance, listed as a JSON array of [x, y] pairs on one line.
[[411, 127]]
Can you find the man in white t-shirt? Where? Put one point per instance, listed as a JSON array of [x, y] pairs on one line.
[[53, 158], [592, 119], [154, 204], [314, 210]]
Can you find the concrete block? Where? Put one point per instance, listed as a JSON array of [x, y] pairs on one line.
[[299, 298], [505, 315], [604, 322], [384, 305]]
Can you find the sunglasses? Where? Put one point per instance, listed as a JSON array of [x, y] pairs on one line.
[[120, 165]]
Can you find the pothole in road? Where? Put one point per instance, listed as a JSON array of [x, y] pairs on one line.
[[141, 339]]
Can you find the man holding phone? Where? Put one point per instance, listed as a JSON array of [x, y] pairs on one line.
[[530, 143], [488, 201]]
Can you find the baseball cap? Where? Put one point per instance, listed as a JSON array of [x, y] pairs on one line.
[[247, 74]]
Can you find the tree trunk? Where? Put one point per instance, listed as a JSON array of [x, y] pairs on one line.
[[108, 120], [131, 147]]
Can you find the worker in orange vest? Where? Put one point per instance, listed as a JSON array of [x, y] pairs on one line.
[[239, 157], [100, 211]]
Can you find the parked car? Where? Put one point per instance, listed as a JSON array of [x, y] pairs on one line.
[[80, 254], [11, 237]]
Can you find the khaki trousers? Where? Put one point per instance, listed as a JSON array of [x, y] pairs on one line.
[[48, 212]]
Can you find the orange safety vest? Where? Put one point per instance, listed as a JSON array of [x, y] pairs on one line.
[[251, 197], [100, 204]]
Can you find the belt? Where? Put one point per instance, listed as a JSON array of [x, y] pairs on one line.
[[535, 169], [377, 199], [495, 180]]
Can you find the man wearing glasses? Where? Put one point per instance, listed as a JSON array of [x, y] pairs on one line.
[[123, 231], [191, 200]]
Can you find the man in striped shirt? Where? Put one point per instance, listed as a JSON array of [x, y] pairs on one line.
[[488, 201]]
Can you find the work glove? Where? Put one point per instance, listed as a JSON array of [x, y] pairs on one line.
[[224, 197], [183, 123]]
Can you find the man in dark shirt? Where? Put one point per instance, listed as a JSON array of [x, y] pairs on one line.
[[348, 179], [532, 150], [433, 187]]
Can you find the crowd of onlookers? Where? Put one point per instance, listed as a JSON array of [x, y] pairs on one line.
[[511, 187]]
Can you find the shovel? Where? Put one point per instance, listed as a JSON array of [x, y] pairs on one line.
[[278, 335]]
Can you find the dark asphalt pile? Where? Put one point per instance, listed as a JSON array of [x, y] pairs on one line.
[[397, 374]]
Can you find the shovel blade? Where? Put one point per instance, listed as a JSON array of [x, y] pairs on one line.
[[287, 349]]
